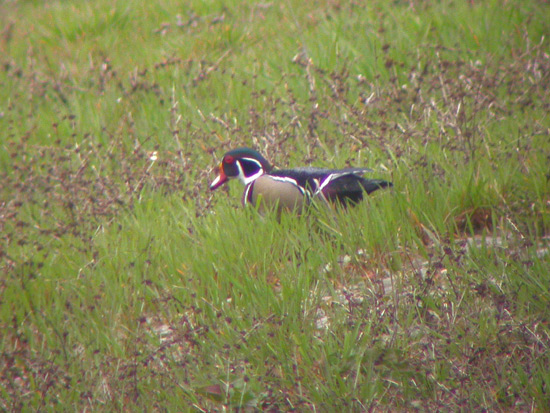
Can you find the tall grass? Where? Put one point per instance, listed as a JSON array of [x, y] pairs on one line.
[[128, 285]]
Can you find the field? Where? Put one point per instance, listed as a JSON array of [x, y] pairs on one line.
[[126, 285]]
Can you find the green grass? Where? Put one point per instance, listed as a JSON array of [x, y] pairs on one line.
[[126, 285]]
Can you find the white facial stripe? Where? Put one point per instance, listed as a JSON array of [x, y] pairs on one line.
[[253, 160], [216, 181], [248, 179]]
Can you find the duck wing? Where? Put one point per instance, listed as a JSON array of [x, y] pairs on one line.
[[343, 185]]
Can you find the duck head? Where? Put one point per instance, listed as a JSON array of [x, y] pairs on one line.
[[243, 163]]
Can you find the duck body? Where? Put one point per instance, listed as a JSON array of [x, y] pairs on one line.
[[292, 189]]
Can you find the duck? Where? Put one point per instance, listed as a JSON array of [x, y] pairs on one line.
[[266, 187]]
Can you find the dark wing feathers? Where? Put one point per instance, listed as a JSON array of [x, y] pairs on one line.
[[343, 185], [351, 188]]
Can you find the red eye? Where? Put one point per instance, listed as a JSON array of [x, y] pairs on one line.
[[228, 159]]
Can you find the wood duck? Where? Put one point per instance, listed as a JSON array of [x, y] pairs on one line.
[[291, 189]]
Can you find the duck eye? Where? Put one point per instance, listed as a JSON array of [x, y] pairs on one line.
[[228, 159]]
